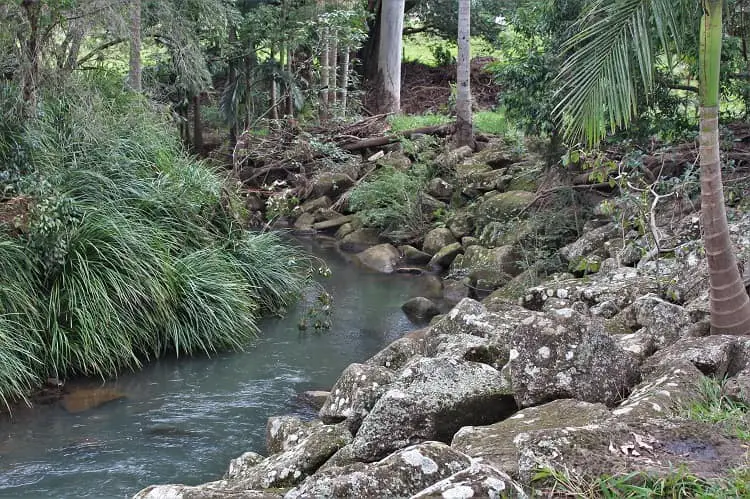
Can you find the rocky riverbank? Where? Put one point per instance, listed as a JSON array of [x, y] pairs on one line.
[[586, 372]]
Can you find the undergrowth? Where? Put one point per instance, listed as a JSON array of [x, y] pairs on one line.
[[128, 249]]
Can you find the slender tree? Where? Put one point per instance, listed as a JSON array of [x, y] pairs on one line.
[[134, 76], [388, 83], [597, 80], [464, 127]]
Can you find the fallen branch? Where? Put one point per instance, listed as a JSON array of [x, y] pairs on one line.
[[438, 130]]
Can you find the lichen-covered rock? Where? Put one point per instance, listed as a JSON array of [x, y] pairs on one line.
[[738, 387], [620, 287], [666, 321], [445, 256], [468, 347], [653, 447], [221, 489], [471, 317], [239, 466], [559, 355], [354, 394], [285, 432], [398, 353], [437, 239], [430, 400], [293, 465], [664, 392], [478, 480], [477, 258], [401, 474], [413, 256], [439, 188], [334, 222], [501, 206], [588, 243], [381, 258], [304, 222], [315, 204], [359, 240], [640, 344], [494, 443], [313, 398], [712, 355], [420, 309], [461, 224]]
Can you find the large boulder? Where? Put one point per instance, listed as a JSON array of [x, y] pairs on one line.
[[560, 355], [592, 241], [437, 239], [239, 466], [221, 489], [331, 184], [420, 309], [664, 392], [713, 355], [665, 321], [455, 290], [413, 256], [430, 400], [354, 394], [654, 448], [478, 480], [381, 258], [439, 188], [445, 256], [285, 432], [494, 443], [398, 353], [359, 240], [293, 465], [488, 268], [502, 206], [315, 204], [401, 474]]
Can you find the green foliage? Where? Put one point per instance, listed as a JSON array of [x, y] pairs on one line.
[[713, 405], [392, 202], [401, 122], [491, 122], [131, 248]]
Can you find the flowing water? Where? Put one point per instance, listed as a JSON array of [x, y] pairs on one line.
[[183, 420]]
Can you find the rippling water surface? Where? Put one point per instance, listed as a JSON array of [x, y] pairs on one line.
[[183, 420]]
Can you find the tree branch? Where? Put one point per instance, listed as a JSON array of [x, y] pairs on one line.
[[103, 46]]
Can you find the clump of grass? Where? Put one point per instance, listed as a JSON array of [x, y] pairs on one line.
[[491, 122], [129, 248], [401, 122], [712, 405]]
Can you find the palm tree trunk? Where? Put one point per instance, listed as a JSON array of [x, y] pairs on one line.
[[729, 303], [464, 128]]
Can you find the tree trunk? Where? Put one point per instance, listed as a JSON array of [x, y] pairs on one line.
[[289, 89], [32, 53], [134, 76], [388, 83], [274, 94], [729, 303], [197, 125], [333, 74], [345, 79], [464, 127], [368, 54], [232, 37]]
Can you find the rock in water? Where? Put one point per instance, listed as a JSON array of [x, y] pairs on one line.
[[420, 309], [83, 399]]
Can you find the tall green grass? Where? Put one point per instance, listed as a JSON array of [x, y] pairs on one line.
[[128, 250]]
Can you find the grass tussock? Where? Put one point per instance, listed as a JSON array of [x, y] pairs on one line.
[[128, 248]]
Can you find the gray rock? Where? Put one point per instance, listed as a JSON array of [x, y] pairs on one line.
[[355, 393], [333, 223], [439, 188], [501, 207], [420, 309], [654, 447], [431, 286], [304, 221], [316, 204], [590, 242], [398, 353], [430, 400], [381, 258], [314, 398], [344, 231], [221, 489], [359, 240], [469, 241], [559, 355], [455, 290], [413, 256], [285, 432], [445, 256], [331, 184], [738, 387], [293, 465], [504, 260], [461, 224], [666, 321], [712, 355], [640, 344], [401, 474], [437, 239], [494, 443], [478, 480], [240, 466], [664, 392], [496, 156]]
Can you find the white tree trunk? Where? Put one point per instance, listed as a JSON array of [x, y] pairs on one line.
[[345, 79], [464, 128], [388, 85], [333, 53]]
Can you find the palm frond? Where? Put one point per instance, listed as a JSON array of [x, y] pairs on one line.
[[613, 49]]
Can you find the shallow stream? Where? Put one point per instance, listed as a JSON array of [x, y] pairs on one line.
[[183, 420]]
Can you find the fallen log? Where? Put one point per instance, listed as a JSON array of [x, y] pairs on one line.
[[438, 130]]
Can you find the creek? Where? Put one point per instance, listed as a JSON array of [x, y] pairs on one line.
[[183, 420]]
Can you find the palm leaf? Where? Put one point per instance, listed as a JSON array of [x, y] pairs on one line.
[[614, 48]]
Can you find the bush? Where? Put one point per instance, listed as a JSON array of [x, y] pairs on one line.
[[132, 249]]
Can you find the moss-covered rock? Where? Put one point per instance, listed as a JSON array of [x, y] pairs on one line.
[[437, 239], [501, 206]]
